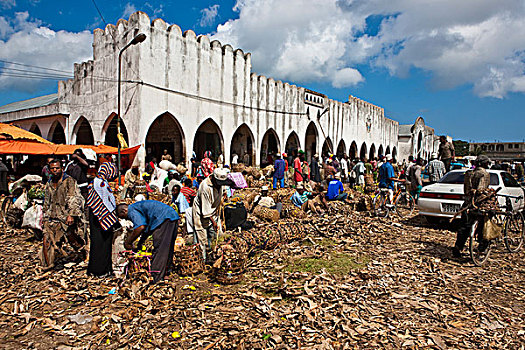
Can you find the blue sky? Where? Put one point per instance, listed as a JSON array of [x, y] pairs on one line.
[[460, 67]]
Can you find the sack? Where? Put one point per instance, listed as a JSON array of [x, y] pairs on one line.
[[492, 228], [21, 202], [235, 215], [33, 218]]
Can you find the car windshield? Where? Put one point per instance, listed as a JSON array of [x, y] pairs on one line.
[[458, 177]]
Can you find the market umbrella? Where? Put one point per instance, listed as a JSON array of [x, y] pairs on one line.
[[11, 132]]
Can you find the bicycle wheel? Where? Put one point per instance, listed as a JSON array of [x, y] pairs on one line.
[[514, 232], [380, 208], [479, 251], [404, 205]]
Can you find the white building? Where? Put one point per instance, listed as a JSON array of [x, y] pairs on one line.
[[186, 94], [417, 140]]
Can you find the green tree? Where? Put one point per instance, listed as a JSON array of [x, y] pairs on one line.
[[461, 148], [476, 151]]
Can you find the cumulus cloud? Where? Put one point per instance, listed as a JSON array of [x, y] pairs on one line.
[[208, 15], [28, 42], [475, 42]]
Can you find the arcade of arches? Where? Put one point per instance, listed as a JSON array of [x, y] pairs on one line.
[[165, 133]]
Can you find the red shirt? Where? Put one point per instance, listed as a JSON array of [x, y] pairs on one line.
[[189, 193]]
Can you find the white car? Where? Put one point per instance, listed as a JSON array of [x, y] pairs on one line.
[[444, 198]]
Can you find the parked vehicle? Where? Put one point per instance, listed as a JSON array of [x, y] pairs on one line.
[[445, 198]]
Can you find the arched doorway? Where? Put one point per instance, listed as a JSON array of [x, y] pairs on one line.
[[110, 138], [387, 150], [352, 153], [83, 132], [35, 130], [292, 144], [328, 148], [165, 133], [57, 134], [269, 146], [394, 153], [362, 153], [310, 141], [372, 152], [242, 144], [208, 138], [341, 149], [380, 151]]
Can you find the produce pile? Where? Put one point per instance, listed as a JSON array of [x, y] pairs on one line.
[[347, 280]]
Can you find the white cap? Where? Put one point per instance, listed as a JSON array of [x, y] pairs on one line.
[[220, 174], [264, 188], [388, 157]]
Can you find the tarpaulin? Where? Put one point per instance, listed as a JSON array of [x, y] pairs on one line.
[[36, 148], [11, 132]]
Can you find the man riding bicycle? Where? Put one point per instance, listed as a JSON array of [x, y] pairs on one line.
[[475, 180]]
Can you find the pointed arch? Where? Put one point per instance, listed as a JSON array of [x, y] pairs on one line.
[[310, 141], [380, 151], [35, 129], [208, 137], [419, 149], [165, 133], [243, 144], [82, 132], [352, 152], [292, 143], [387, 150], [328, 147], [362, 152], [394, 153], [372, 153], [56, 133], [341, 149], [269, 146], [109, 131]]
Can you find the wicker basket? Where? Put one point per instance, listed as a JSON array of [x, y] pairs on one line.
[[266, 214], [188, 260], [229, 266]]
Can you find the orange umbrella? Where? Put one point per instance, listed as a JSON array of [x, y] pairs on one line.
[[11, 132]]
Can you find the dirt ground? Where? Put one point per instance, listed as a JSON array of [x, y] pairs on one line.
[[370, 283]]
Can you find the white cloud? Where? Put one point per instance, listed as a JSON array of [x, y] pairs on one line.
[[129, 9], [208, 15], [7, 4], [476, 42], [31, 43]]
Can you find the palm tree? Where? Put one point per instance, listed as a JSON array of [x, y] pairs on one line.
[[476, 151]]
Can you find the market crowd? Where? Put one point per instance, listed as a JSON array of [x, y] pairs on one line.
[[82, 212]]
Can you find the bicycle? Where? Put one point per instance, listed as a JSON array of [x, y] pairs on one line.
[[513, 231], [404, 203]]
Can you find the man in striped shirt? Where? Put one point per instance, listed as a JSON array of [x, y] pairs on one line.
[[188, 191], [435, 169]]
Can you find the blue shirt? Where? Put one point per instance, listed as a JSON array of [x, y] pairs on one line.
[[196, 184], [279, 166], [150, 214], [334, 188], [386, 172], [298, 200]]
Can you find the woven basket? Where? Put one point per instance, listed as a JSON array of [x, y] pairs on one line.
[[188, 260], [266, 214], [229, 266], [238, 168]]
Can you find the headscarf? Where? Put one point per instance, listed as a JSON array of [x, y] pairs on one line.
[[100, 197], [207, 154]]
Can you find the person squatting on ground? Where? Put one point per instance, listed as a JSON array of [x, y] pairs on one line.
[[266, 201], [102, 221], [475, 180], [152, 218], [63, 216], [336, 191]]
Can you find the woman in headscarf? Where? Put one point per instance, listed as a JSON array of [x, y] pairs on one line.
[[207, 165], [102, 220]]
